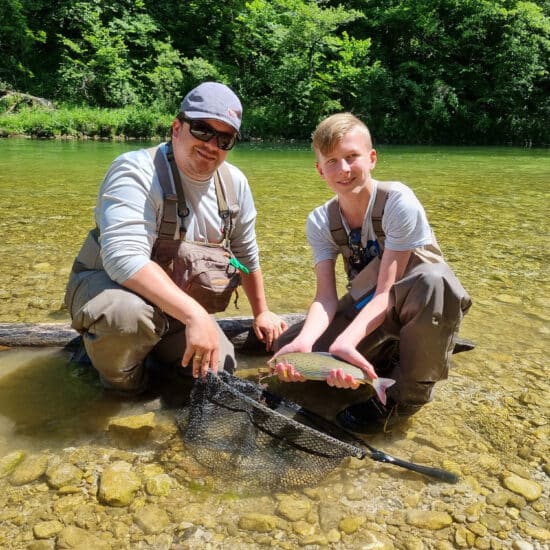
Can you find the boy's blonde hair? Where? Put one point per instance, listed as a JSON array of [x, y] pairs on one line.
[[332, 130]]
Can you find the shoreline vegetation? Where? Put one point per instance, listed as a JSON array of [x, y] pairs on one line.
[[24, 115], [417, 72]]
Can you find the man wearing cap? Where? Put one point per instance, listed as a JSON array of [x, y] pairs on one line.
[[125, 305]]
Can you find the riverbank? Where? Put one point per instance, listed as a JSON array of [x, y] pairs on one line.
[[85, 123]]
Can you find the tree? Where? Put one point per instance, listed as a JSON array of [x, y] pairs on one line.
[[283, 50], [16, 41]]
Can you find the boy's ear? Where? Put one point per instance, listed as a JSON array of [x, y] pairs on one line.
[[373, 155], [319, 169]]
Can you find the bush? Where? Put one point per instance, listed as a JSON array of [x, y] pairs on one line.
[[86, 122]]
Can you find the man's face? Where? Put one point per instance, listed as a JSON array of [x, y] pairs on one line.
[[195, 158], [347, 167]]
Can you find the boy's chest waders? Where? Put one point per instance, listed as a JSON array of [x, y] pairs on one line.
[[362, 283]]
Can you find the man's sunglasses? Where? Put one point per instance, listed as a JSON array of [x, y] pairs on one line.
[[204, 132]]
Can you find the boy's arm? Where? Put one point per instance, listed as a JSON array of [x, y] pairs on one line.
[[392, 269], [320, 312]]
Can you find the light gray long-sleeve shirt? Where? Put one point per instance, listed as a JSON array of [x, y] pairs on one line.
[[129, 211]]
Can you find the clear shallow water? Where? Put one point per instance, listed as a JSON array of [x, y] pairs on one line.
[[488, 208]]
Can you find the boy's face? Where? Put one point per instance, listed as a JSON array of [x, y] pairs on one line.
[[347, 167]]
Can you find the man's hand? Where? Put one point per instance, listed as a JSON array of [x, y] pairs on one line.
[[268, 327], [203, 344]]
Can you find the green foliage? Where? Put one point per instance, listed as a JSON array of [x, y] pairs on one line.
[[417, 71], [284, 47], [78, 122], [16, 40]]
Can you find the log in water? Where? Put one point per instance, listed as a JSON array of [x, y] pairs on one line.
[[237, 329]]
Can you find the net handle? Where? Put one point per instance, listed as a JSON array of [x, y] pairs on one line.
[[375, 454]]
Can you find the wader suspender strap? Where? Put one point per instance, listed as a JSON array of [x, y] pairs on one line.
[[169, 221], [340, 235], [175, 205]]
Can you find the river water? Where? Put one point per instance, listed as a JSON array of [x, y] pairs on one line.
[[489, 210]]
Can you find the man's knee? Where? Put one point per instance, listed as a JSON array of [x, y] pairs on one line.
[[119, 311]]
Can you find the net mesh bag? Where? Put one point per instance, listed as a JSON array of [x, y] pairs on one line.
[[232, 426]]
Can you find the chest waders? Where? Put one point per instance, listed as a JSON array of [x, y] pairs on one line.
[[166, 245]]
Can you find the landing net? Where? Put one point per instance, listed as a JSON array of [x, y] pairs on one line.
[[236, 429]]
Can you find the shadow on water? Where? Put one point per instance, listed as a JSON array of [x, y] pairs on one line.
[[47, 401]]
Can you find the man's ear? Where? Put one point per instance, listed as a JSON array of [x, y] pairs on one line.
[[176, 128]]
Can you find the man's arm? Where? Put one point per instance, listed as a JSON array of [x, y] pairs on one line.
[[267, 326], [152, 283]]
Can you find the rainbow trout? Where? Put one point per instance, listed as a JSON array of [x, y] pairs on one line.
[[317, 366]]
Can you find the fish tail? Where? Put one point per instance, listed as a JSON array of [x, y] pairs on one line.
[[380, 386]]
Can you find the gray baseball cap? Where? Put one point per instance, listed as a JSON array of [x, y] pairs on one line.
[[213, 100]]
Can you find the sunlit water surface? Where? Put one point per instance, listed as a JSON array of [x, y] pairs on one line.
[[489, 210]]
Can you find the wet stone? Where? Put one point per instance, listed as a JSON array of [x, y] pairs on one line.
[[495, 523], [316, 540], [151, 519], [47, 529], [375, 541], [31, 469], [132, 430], [303, 528], [538, 533], [351, 524], [499, 499], [158, 485], [528, 489], [261, 523], [118, 484], [42, 544], [63, 474], [9, 462], [74, 537], [292, 508], [428, 520], [478, 529], [329, 516], [464, 538]]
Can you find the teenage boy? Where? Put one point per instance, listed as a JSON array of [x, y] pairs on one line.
[[417, 303]]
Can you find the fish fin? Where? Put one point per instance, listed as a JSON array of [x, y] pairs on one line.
[[380, 386]]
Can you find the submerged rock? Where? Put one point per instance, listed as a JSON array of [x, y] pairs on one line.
[[118, 484], [9, 462], [426, 519], [528, 489], [31, 469], [292, 508], [261, 523], [63, 474], [74, 537], [151, 519]]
